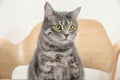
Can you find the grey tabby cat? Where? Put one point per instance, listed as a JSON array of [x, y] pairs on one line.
[[56, 57]]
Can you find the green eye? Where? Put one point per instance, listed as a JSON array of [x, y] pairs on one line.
[[71, 28], [58, 27]]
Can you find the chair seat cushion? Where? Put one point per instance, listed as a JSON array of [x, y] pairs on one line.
[[20, 72]]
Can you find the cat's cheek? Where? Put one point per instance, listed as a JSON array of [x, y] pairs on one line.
[[71, 38], [68, 37], [63, 37]]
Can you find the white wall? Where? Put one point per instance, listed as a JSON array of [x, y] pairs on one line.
[[18, 17]]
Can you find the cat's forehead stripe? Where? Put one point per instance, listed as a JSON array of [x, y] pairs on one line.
[[59, 22], [63, 22], [68, 22]]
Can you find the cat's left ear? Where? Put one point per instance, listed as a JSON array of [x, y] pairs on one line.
[[74, 13]]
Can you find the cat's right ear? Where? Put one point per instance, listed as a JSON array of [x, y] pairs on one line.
[[48, 10]]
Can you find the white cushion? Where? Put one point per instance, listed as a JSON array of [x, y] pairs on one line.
[[20, 72]]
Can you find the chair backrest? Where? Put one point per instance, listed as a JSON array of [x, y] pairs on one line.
[[93, 45], [95, 48]]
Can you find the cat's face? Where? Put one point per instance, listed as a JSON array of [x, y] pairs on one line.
[[61, 26]]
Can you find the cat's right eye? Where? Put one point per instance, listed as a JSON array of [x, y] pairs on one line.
[[58, 27]]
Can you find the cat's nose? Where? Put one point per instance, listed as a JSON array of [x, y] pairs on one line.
[[66, 35]]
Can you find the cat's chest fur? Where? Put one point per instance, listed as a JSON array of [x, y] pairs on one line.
[[55, 58], [58, 63]]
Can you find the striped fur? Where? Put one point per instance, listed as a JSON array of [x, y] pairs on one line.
[[56, 56]]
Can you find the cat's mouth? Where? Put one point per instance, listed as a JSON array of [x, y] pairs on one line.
[[66, 40]]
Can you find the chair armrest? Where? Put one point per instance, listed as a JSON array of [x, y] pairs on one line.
[[117, 48], [115, 58]]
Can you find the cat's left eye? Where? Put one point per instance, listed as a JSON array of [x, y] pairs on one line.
[[71, 28]]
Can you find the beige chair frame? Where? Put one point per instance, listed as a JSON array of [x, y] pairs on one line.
[[94, 47]]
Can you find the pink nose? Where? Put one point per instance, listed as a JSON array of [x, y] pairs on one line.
[[66, 35]]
